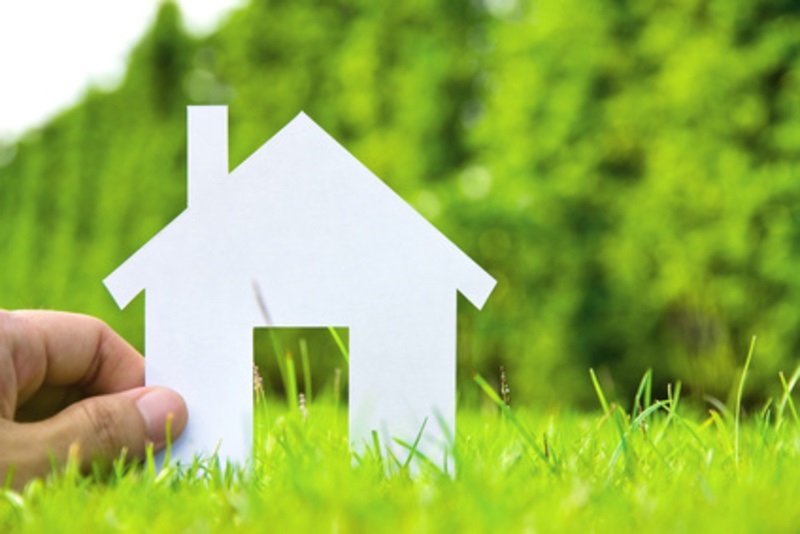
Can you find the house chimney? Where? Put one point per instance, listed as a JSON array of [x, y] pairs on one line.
[[207, 151]]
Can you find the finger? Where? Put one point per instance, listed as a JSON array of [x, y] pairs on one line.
[[8, 381], [58, 348], [46, 402], [97, 428]]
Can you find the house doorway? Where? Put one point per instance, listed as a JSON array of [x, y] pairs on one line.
[[296, 368]]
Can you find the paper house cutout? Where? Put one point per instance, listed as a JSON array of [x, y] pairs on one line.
[[326, 243]]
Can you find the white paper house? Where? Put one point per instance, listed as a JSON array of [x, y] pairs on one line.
[[328, 244]]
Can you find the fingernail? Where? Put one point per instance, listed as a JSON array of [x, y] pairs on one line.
[[156, 408]]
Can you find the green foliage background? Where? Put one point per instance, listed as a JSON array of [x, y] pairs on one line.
[[628, 170]]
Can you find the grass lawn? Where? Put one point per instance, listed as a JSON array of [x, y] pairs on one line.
[[656, 465]]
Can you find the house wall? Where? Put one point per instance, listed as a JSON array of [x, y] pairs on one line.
[[403, 370], [206, 355]]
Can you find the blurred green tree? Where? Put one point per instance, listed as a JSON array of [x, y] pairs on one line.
[[628, 170], [644, 166]]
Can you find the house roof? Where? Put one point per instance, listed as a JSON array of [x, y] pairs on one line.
[[301, 186]]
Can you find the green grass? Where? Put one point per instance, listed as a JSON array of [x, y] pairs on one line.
[[659, 466]]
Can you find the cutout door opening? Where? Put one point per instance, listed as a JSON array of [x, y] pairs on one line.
[[301, 366]]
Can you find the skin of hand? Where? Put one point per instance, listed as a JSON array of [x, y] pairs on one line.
[[72, 387]]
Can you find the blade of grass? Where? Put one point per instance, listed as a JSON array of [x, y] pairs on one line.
[[647, 412], [641, 419], [291, 382], [340, 344], [642, 397], [376, 444], [636, 421], [787, 397], [599, 391], [304, 360], [739, 393], [9, 477], [277, 348], [168, 448], [524, 432], [672, 406], [337, 394], [414, 452], [722, 430], [414, 446], [14, 499], [619, 416]]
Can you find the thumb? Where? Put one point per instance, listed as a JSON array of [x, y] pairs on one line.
[[99, 428]]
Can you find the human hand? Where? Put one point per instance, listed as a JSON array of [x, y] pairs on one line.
[[70, 381]]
